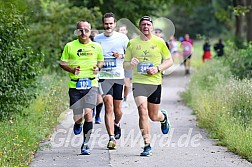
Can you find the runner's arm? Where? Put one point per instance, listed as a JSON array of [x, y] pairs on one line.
[[100, 64], [129, 65], [166, 64], [67, 68]]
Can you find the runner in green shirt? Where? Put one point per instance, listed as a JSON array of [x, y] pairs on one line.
[[82, 58], [148, 56]]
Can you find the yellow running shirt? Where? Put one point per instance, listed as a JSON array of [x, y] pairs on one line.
[[84, 55], [149, 53]]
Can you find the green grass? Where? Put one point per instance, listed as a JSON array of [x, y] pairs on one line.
[[22, 133], [196, 60], [223, 106]]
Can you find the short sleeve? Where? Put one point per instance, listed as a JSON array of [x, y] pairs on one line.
[[100, 56], [65, 55], [165, 51], [128, 56]]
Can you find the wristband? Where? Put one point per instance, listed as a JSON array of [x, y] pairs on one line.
[[158, 68]]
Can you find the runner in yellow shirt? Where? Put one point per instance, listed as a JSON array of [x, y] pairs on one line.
[[144, 54], [82, 58]]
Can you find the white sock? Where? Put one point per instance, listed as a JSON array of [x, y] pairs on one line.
[[117, 124], [112, 137]]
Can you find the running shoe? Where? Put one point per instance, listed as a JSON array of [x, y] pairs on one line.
[[77, 128], [117, 131], [165, 125], [85, 150], [111, 145], [97, 120], [125, 104], [147, 151]]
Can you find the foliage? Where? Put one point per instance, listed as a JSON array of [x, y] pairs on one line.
[[24, 131], [132, 10], [223, 12], [239, 99], [196, 19], [206, 78], [223, 106], [53, 26], [19, 64], [240, 60], [213, 73]]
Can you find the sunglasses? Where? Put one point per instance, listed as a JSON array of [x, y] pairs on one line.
[[78, 32]]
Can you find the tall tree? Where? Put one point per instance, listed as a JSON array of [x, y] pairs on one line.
[[249, 20], [238, 4]]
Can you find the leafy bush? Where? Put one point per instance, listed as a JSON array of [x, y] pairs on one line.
[[240, 60], [19, 64], [24, 131]]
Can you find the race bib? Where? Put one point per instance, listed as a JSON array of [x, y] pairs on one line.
[[142, 67], [83, 83], [109, 63], [187, 48]]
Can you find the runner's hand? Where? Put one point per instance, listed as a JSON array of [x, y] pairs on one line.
[[152, 70], [117, 55], [134, 61], [95, 70], [76, 70]]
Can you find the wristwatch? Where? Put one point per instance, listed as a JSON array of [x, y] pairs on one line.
[[158, 68]]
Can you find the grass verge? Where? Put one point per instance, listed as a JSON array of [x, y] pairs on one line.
[[22, 133], [223, 106]]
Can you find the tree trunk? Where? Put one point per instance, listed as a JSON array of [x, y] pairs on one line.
[[249, 20], [238, 20]]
